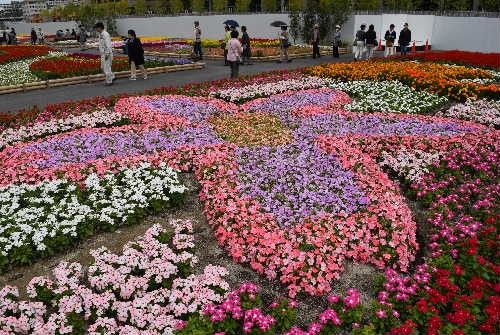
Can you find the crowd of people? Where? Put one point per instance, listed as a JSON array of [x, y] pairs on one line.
[[237, 51], [365, 41]]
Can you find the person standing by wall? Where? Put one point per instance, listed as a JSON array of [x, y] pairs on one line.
[[284, 44], [82, 37], [135, 55], [390, 39], [359, 43], [336, 42], [198, 53], [315, 41], [245, 43], [40, 36], [106, 51], [234, 52], [371, 41], [404, 39], [33, 36]]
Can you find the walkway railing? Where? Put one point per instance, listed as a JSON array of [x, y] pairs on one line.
[[359, 12]]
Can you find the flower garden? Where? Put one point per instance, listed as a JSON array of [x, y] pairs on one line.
[[391, 164], [28, 64], [261, 47]]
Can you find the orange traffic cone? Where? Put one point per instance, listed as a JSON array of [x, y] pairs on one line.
[[426, 45], [414, 47], [380, 45]]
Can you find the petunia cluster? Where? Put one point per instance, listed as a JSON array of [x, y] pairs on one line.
[[39, 220], [102, 117], [483, 111], [258, 90], [148, 288], [388, 96]]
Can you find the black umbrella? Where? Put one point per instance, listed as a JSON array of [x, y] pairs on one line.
[[231, 23], [278, 24]]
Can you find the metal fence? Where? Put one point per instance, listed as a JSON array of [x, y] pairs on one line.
[[230, 10]]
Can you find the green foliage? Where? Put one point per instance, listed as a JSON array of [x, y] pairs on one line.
[[269, 5], [198, 6], [219, 5], [295, 26], [242, 5], [296, 5], [176, 6], [140, 7], [366, 4]]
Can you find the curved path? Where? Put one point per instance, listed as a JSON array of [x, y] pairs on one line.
[[214, 70]]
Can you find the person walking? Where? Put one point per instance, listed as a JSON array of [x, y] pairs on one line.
[[135, 55], [33, 36], [73, 34], [315, 41], [82, 37], [390, 38], [245, 43], [404, 39], [106, 51], [227, 37], [40, 36], [234, 52], [359, 43], [284, 38], [371, 41], [336, 42], [198, 53]]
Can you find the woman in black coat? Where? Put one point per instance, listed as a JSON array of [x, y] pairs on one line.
[[135, 55]]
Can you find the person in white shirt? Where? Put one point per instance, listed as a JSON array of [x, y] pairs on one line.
[[234, 52], [106, 51]]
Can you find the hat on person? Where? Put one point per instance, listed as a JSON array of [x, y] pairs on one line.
[[316, 25], [337, 26], [406, 24]]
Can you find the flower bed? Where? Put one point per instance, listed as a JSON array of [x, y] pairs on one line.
[[81, 65], [435, 78], [17, 52], [481, 111], [388, 96], [488, 60], [49, 217], [149, 288], [304, 186]]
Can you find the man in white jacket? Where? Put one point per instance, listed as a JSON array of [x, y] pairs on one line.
[[106, 51]]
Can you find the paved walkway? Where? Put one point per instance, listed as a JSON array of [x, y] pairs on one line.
[[214, 70]]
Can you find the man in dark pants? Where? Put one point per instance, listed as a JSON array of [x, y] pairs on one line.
[[315, 41], [404, 39], [198, 53], [336, 41]]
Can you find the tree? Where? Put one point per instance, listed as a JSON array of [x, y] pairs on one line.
[[242, 5], [198, 6], [268, 5], [295, 5], [366, 4], [176, 6], [295, 26], [140, 7], [218, 5]]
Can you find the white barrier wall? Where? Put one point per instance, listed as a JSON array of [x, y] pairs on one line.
[[465, 33], [443, 32], [49, 28], [182, 26]]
